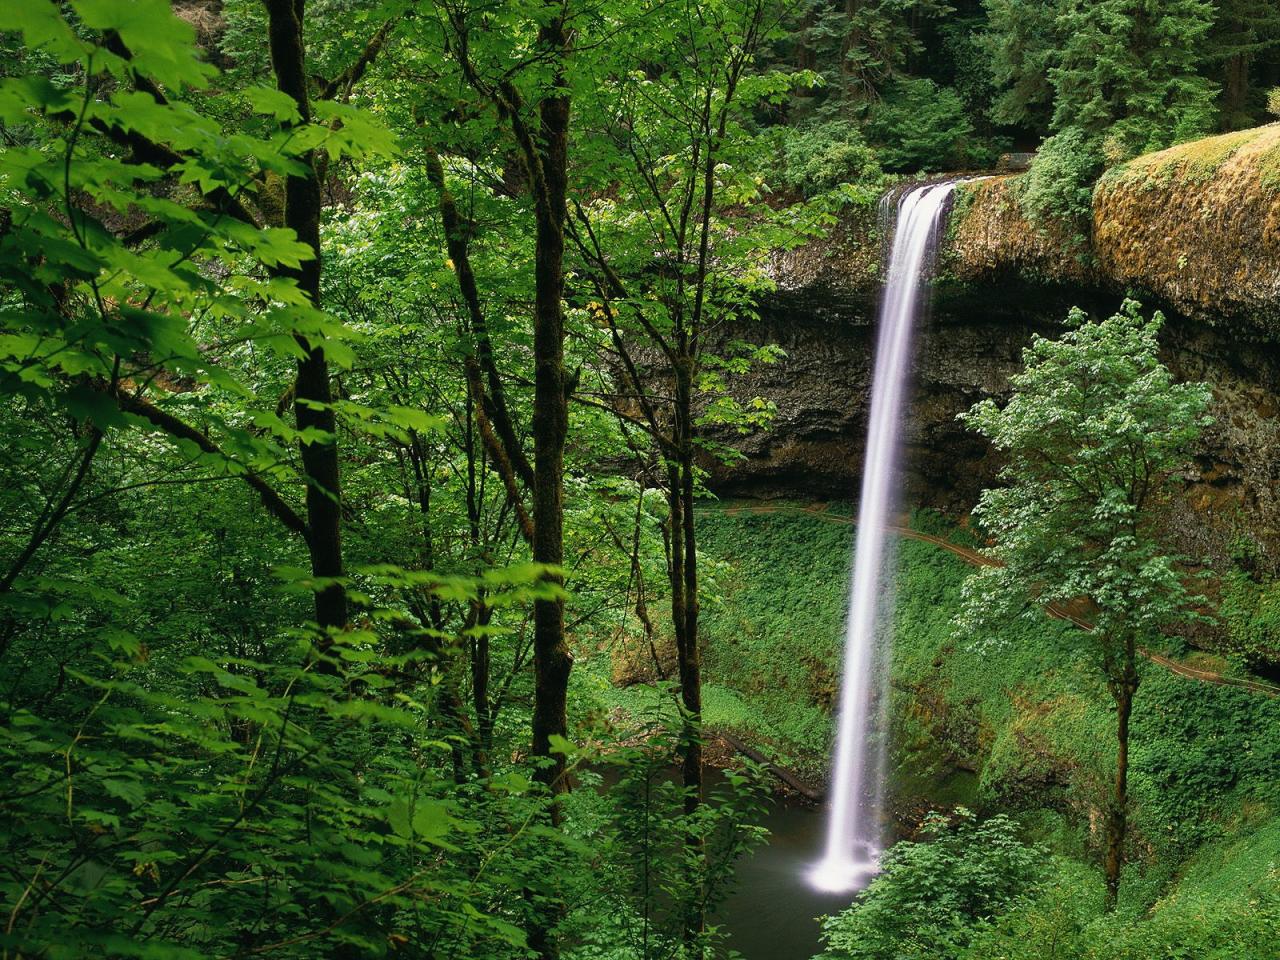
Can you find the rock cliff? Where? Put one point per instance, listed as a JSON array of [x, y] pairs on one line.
[[1217, 279]]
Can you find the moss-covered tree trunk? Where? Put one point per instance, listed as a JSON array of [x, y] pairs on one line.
[[551, 659]]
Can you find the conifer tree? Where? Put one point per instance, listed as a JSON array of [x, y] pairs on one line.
[[1243, 32], [1128, 72]]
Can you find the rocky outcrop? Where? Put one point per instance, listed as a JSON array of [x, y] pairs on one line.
[[990, 239], [1195, 228], [1000, 282], [1198, 225]]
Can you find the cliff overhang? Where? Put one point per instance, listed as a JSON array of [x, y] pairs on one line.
[[1194, 229]]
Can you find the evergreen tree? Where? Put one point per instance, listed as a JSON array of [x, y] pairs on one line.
[[1022, 40], [1128, 72], [861, 46], [1243, 30]]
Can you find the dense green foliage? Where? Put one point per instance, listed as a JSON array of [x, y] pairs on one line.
[[1037, 729], [931, 894], [1059, 185], [821, 155], [251, 710], [360, 363], [950, 85]]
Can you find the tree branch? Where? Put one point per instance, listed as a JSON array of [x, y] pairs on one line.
[[181, 430]]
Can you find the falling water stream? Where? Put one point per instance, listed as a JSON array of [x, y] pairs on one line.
[[854, 835]]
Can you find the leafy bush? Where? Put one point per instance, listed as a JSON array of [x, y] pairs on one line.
[[920, 126], [1226, 907], [659, 856], [1059, 186], [931, 896], [823, 155]]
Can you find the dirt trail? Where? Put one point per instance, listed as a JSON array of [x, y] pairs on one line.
[[820, 512]]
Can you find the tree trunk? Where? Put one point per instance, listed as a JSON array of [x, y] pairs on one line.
[[551, 659], [684, 617], [480, 675], [1234, 109], [313, 390], [690, 657], [1122, 691]]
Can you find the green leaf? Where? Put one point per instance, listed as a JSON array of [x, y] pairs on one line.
[[43, 28], [274, 103], [160, 45]]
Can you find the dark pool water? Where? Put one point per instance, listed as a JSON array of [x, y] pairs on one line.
[[772, 912]]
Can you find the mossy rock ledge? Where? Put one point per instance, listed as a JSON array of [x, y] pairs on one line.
[[1194, 229], [1198, 225]]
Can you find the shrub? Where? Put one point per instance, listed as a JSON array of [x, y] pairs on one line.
[[823, 155], [931, 897], [1059, 186], [1251, 612]]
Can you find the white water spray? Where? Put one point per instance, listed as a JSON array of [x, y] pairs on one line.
[[857, 781]]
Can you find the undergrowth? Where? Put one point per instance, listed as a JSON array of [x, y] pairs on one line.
[[1034, 723]]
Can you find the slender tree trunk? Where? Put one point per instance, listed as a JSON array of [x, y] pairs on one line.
[[313, 390], [551, 659], [480, 676], [690, 657], [51, 516], [1122, 690], [684, 618]]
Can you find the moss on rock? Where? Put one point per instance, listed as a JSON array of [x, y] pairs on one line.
[[1198, 226], [990, 236]]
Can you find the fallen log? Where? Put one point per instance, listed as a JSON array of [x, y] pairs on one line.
[[782, 773]]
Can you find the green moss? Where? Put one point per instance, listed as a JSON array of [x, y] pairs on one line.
[[1269, 167], [1195, 162], [771, 634], [1250, 611]]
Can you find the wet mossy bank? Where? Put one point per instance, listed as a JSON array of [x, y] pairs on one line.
[[1194, 228]]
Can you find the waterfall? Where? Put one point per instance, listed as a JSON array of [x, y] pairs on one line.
[[857, 781]]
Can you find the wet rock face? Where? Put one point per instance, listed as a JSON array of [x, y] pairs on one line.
[[1233, 488], [966, 351]]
